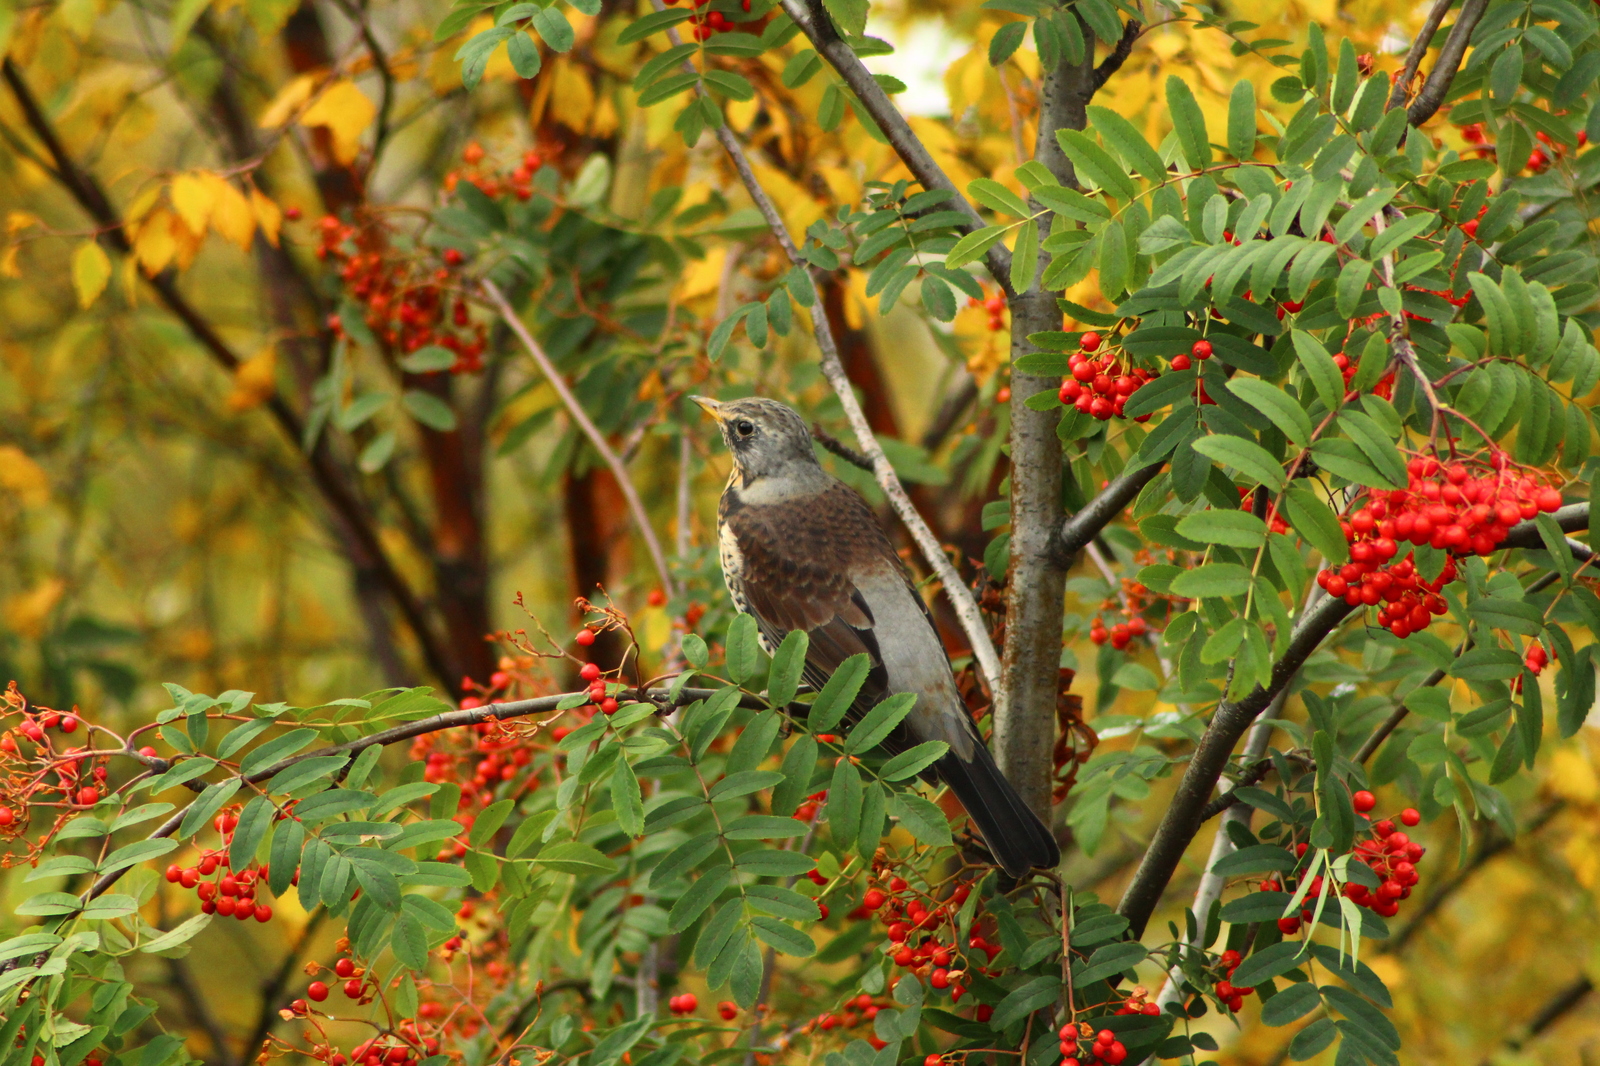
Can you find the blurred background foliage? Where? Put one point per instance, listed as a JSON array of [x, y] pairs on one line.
[[161, 522]]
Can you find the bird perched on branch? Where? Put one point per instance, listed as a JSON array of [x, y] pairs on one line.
[[802, 550]]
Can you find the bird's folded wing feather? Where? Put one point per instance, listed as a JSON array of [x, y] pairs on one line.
[[799, 563]]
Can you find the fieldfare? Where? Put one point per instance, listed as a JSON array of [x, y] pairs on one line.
[[802, 550]]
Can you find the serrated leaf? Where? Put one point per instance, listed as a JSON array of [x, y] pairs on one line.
[[1248, 457]]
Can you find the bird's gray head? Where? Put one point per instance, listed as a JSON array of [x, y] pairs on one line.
[[765, 437]]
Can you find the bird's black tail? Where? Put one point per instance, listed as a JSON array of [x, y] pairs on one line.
[[1016, 836]]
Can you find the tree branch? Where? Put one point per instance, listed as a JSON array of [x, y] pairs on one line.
[[1437, 87], [814, 22], [1554, 1008], [1419, 48], [1182, 819], [597, 439], [1120, 53], [342, 501], [1081, 528]]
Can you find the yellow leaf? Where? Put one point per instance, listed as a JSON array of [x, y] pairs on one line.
[[346, 112], [21, 475], [232, 214], [268, 215], [287, 102], [571, 95], [154, 245], [20, 220], [8, 262], [702, 278], [91, 269], [254, 381], [193, 197], [1572, 776], [27, 612]]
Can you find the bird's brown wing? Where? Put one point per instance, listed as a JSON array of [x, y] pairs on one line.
[[798, 561]]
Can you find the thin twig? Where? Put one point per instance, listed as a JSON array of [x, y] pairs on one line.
[[814, 22], [272, 989], [596, 438]]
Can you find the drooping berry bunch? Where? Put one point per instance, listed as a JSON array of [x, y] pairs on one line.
[[38, 771], [1226, 991], [406, 303], [1103, 1047], [222, 890], [858, 1009], [1142, 609], [704, 23], [1462, 507], [995, 305], [1099, 387], [1409, 601], [1391, 854], [922, 929], [1539, 160], [355, 983], [1121, 634]]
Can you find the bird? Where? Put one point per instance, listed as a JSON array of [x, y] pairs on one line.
[[801, 550]]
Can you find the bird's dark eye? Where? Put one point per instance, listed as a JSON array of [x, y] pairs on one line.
[[744, 427]]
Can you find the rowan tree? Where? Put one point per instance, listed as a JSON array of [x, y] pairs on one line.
[[1225, 374]]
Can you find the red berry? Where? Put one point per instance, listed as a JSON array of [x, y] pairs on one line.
[[1410, 816], [590, 671], [317, 991], [932, 1059], [1181, 362], [688, 1002], [88, 796], [1091, 341], [352, 988], [1364, 801], [1200, 349], [345, 968], [728, 1011], [873, 899], [584, 638]]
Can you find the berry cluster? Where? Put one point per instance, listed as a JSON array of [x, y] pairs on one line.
[[223, 890], [1120, 634], [35, 771], [1226, 991], [1391, 854], [406, 306], [355, 984], [1410, 601], [1104, 1049], [1539, 160], [481, 759], [1098, 387], [1200, 350], [854, 1011], [705, 23], [1459, 507], [687, 1003], [995, 305], [1135, 604], [914, 925]]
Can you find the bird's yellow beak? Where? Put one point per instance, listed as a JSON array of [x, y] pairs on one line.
[[711, 407]]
